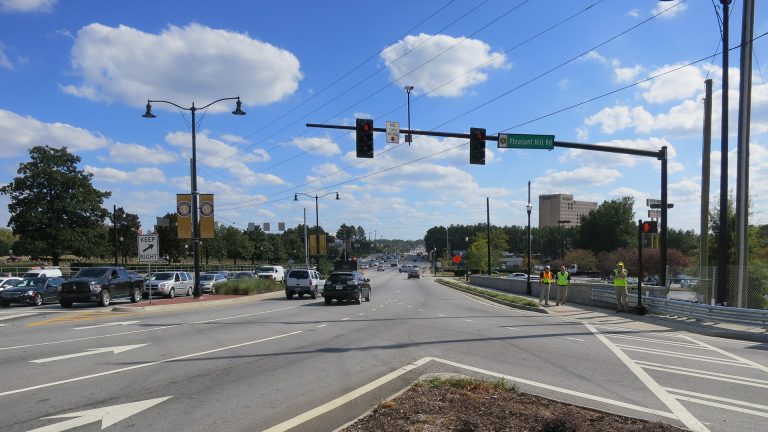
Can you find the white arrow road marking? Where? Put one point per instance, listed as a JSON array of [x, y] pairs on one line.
[[90, 351], [106, 325], [108, 415]]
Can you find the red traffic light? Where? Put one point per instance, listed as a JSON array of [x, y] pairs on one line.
[[650, 227]]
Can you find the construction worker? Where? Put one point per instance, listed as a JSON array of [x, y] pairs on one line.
[[546, 282], [563, 279], [620, 287]]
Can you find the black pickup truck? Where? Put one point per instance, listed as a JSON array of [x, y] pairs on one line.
[[100, 285]]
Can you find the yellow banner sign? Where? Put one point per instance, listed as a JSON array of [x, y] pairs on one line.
[[313, 244], [184, 215], [207, 229]]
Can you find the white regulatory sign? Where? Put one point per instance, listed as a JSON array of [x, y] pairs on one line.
[[393, 132], [149, 248]]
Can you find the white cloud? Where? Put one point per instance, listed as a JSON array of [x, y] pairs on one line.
[[234, 139], [634, 13], [316, 145], [114, 65], [135, 153], [27, 5], [326, 173], [138, 176], [564, 83], [596, 159], [680, 84], [594, 55], [557, 181], [441, 65], [219, 156], [5, 62], [21, 133], [258, 155], [673, 9], [625, 74]]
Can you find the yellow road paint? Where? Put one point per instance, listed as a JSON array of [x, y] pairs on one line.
[[78, 317]]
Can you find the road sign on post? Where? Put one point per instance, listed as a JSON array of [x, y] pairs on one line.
[[149, 248], [526, 141], [393, 132]]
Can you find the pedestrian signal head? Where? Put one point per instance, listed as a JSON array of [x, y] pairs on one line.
[[650, 227]]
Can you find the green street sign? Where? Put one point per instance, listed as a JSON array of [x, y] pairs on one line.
[[545, 142]]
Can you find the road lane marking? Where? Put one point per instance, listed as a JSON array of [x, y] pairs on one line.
[[90, 351], [467, 320], [341, 400], [442, 315], [79, 316], [145, 330], [373, 310], [673, 404], [721, 405], [322, 325], [658, 341], [512, 328], [107, 415], [410, 306], [731, 402], [20, 315], [726, 353], [707, 359], [361, 314], [143, 365], [704, 374], [421, 310], [121, 323], [345, 319], [576, 339]]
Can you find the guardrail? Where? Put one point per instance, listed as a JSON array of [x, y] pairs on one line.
[[750, 317]]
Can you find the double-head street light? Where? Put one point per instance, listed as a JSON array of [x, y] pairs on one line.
[[528, 208], [193, 174], [317, 217]]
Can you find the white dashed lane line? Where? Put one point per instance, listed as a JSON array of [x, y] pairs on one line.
[[576, 339], [345, 319], [322, 325]]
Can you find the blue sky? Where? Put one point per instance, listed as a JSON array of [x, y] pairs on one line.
[[78, 74]]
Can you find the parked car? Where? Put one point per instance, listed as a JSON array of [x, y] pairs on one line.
[[304, 281], [517, 275], [240, 275], [208, 282], [276, 273], [169, 284], [43, 272], [9, 281], [100, 285], [223, 273], [347, 286], [34, 291], [380, 268]]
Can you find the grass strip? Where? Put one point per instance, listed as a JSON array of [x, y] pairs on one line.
[[495, 296]]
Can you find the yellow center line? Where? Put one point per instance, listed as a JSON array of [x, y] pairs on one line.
[[77, 317]]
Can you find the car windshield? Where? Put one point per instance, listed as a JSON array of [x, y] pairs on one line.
[[93, 272], [31, 282], [162, 276], [266, 270], [299, 274], [207, 277], [340, 277]]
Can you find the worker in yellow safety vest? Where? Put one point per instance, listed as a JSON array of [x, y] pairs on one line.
[[620, 287], [563, 279], [546, 282]]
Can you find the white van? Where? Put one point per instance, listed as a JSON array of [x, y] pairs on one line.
[[274, 272], [42, 272]]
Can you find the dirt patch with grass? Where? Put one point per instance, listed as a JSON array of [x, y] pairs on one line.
[[462, 404]]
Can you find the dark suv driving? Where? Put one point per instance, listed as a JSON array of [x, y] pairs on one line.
[[347, 286]]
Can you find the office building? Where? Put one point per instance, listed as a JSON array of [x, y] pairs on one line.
[[562, 207]]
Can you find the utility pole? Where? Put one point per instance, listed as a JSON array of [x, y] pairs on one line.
[[742, 156], [488, 230], [114, 229], [724, 240], [706, 148]]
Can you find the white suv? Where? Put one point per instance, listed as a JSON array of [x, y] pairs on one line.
[[304, 281]]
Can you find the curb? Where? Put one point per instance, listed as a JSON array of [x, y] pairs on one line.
[[495, 300], [199, 305]]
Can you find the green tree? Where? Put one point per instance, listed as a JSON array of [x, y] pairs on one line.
[[6, 241], [237, 244], [128, 227], [611, 226], [171, 246], [478, 250], [686, 242], [54, 206], [214, 247]]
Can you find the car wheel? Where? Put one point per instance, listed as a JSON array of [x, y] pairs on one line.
[[66, 304], [213, 289], [172, 293], [4, 304], [104, 298], [327, 302], [189, 292], [358, 297], [38, 300], [313, 294], [288, 295], [368, 296], [136, 295]]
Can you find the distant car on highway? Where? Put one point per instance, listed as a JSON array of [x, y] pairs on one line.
[[380, 268], [414, 273], [347, 286], [35, 291]]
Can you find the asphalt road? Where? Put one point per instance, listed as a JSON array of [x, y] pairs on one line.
[[278, 364]]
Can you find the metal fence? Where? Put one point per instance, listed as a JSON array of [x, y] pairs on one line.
[[698, 284]]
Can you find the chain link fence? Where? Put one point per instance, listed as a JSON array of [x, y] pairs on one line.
[[698, 284]]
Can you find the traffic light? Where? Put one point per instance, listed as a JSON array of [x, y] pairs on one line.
[[477, 146], [650, 227], [364, 130]]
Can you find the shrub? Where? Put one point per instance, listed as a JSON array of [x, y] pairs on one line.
[[248, 286]]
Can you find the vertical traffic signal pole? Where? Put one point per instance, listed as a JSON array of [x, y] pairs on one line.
[[664, 211], [640, 308], [488, 229]]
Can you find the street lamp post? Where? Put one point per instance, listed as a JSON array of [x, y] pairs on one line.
[[528, 208], [317, 218], [466, 259], [195, 226], [562, 238]]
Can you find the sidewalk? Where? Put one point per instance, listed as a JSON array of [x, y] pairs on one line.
[[650, 322]]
